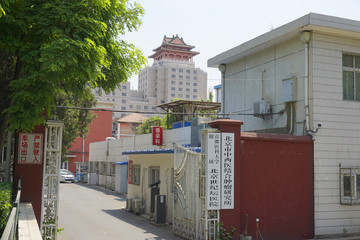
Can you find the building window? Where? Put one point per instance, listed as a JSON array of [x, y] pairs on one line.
[[113, 99], [173, 75], [187, 70], [173, 95], [180, 83], [173, 69], [180, 89], [351, 77], [153, 107], [187, 77], [188, 89], [180, 95], [195, 96], [194, 90], [350, 186], [187, 96], [173, 88], [113, 93], [123, 108], [180, 70], [146, 107], [154, 174], [195, 78], [136, 175], [172, 82], [162, 101], [123, 94], [123, 87], [180, 76], [195, 71], [123, 101], [131, 106], [138, 106], [195, 84]]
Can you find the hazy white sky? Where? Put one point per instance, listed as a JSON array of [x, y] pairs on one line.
[[216, 26]]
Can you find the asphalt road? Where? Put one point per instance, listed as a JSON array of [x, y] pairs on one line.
[[92, 213]]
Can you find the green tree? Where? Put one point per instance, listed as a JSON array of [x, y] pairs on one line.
[[146, 126], [75, 120], [54, 47]]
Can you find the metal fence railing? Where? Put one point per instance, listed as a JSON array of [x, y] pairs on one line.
[[11, 226]]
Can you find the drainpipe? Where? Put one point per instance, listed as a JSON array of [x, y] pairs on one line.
[[118, 131], [83, 148], [305, 37], [222, 69]]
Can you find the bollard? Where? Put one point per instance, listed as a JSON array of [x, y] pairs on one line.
[[246, 225], [257, 229]]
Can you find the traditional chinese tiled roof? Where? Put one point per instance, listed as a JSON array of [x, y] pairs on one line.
[[132, 118], [174, 44]]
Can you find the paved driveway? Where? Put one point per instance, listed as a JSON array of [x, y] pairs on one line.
[[92, 213]]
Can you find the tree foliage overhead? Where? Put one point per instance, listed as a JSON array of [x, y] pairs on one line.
[[55, 47], [146, 126]]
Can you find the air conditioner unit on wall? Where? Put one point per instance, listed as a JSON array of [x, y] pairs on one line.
[[261, 108], [136, 206], [129, 204]]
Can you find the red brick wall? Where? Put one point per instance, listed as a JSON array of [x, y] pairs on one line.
[[99, 129]]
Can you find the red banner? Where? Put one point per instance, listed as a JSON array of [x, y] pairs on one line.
[[30, 148], [157, 136]]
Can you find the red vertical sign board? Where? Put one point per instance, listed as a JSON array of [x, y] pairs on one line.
[[30, 148], [130, 171], [157, 136]]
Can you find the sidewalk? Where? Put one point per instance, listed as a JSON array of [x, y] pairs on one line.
[[93, 213]]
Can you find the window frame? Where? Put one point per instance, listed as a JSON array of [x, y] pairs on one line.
[[354, 188], [354, 82], [156, 170], [135, 178]]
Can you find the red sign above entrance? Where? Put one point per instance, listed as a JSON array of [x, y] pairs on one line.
[[157, 136], [30, 148]]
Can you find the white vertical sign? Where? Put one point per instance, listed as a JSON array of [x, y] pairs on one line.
[[213, 171], [227, 170]]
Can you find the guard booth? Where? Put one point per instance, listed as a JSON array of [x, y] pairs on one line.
[[82, 169]]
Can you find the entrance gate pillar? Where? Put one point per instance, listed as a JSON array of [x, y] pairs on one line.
[[231, 126]]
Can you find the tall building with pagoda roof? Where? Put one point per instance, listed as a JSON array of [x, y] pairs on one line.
[[173, 74]]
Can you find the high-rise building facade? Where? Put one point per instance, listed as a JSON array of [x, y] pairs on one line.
[[173, 74]]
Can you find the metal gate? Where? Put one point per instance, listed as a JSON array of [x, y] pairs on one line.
[[191, 218], [50, 192]]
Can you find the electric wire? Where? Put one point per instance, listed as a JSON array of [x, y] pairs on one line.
[[175, 113]]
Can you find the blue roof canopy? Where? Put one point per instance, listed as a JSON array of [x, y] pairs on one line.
[[121, 163]]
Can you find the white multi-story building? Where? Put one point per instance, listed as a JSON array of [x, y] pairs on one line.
[[303, 78], [173, 74]]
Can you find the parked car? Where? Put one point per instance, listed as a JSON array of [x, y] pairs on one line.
[[66, 176]]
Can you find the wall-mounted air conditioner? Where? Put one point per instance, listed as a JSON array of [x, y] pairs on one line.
[[136, 206], [261, 108], [129, 204]]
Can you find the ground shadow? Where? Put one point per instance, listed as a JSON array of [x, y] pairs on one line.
[[161, 232]]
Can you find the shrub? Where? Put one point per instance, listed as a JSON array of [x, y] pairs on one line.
[[5, 204]]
